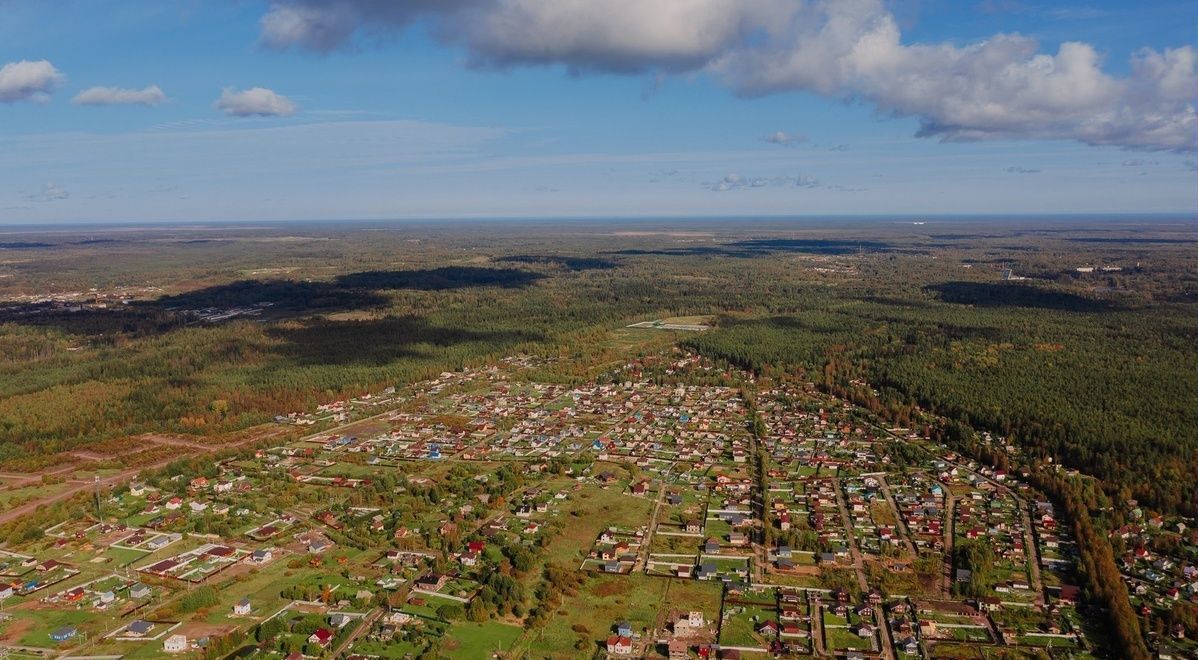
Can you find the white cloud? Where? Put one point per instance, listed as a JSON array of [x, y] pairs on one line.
[[623, 36], [737, 182], [51, 192], [999, 88], [28, 81], [256, 101], [785, 139], [149, 96]]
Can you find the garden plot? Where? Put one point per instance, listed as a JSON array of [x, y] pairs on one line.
[[196, 565], [749, 620], [104, 593], [614, 551], [147, 541], [849, 628], [271, 529]]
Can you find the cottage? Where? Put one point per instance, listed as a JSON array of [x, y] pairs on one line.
[[138, 628], [242, 607], [768, 629], [175, 644], [321, 637], [619, 645]]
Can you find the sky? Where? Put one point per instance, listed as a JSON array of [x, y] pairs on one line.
[[206, 110]]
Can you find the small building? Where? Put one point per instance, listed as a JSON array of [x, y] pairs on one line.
[[140, 590], [175, 644], [138, 628], [619, 645], [64, 633], [242, 607]]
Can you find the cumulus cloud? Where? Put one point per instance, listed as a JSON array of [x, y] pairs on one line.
[[28, 81], [51, 192], [256, 101], [785, 139], [624, 36], [148, 96], [737, 182], [999, 88]]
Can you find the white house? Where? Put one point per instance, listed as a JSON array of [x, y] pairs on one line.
[[175, 644]]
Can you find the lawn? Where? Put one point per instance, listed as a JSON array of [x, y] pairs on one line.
[[843, 638], [479, 640]]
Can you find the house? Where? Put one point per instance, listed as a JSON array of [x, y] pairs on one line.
[[261, 556], [175, 644], [618, 645], [242, 607], [318, 546], [432, 582], [712, 546], [321, 637], [5, 591], [909, 646], [1069, 594], [678, 650], [624, 629], [158, 542], [138, 628], [989, 604], [64, 633], [139, 590], [339, 620], [768, 629]]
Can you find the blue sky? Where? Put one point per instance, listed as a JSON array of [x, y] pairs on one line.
[[382, 109]]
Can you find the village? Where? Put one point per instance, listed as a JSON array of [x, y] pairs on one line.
[[485, 513]]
